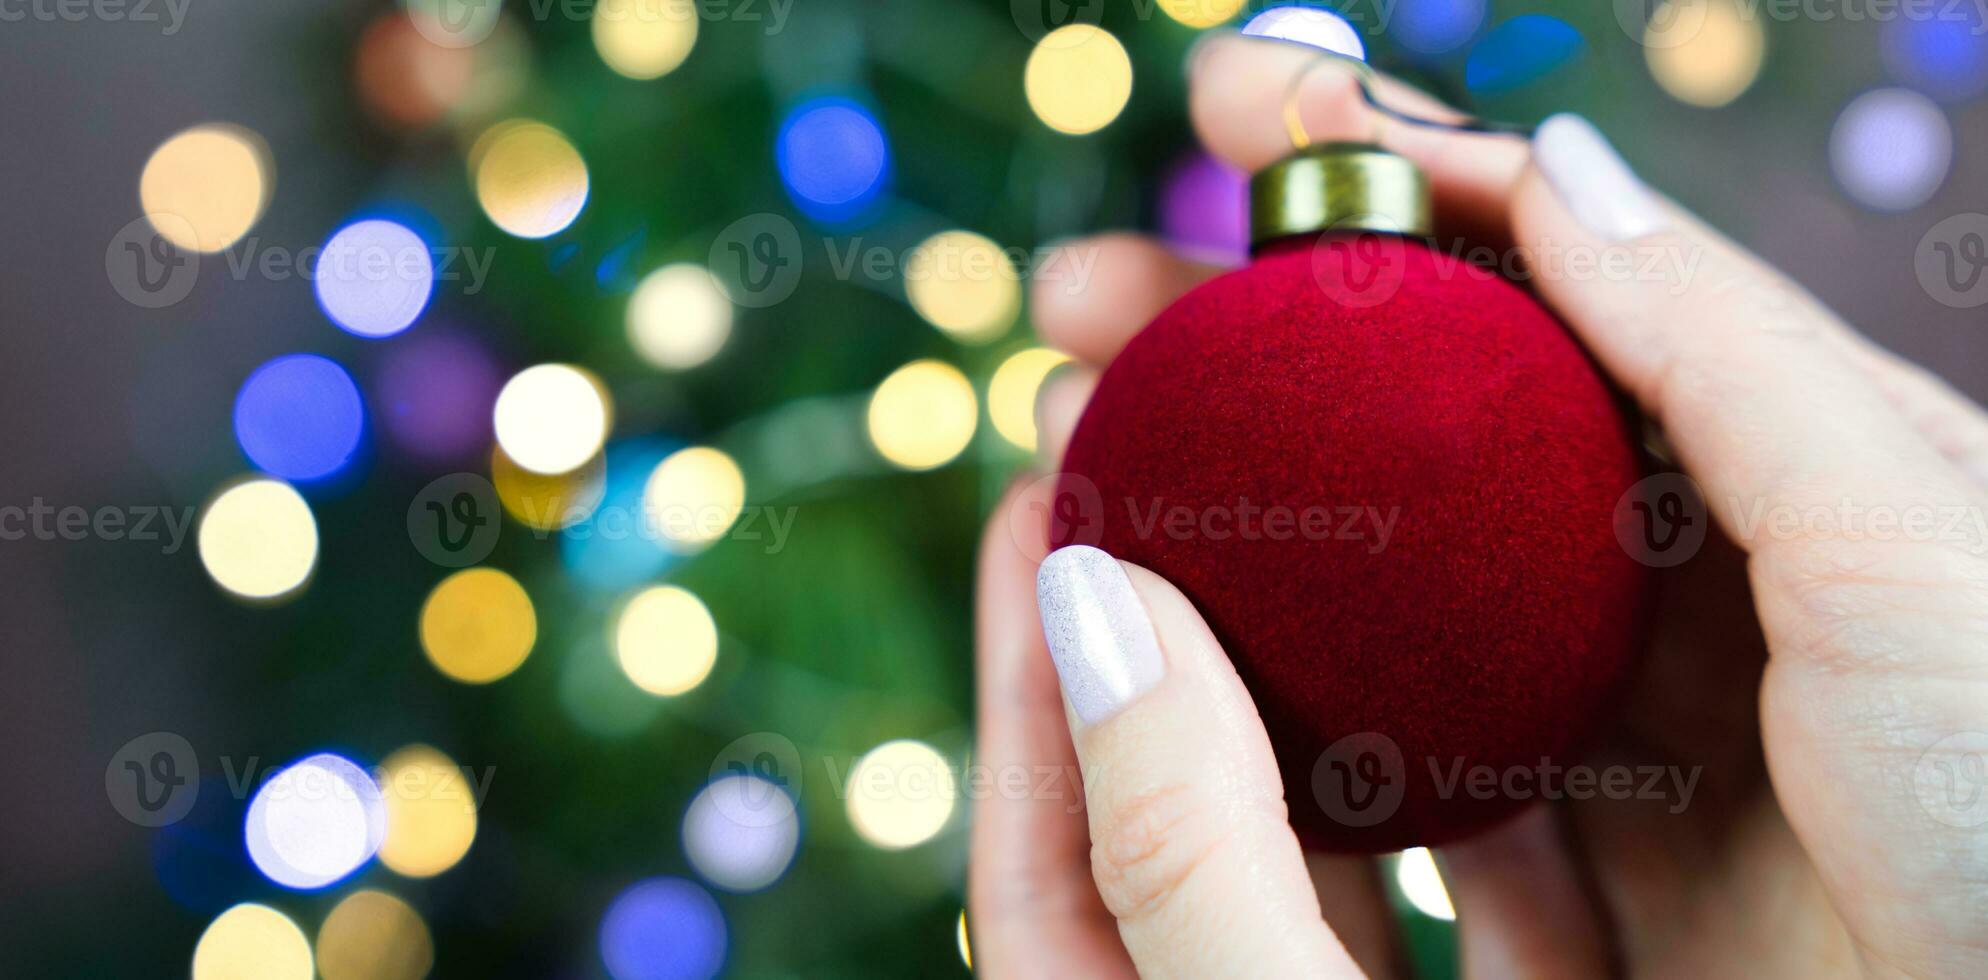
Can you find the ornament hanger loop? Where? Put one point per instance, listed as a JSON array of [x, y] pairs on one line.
[[1365, 78]]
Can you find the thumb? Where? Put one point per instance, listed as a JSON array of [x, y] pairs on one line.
[[1190, 846]]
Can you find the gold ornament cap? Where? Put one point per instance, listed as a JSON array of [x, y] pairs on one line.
[[1351, 187]]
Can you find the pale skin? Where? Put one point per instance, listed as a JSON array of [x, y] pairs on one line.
[[1806, 673]]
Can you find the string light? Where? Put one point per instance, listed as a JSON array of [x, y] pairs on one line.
[[833, 158], [252, 942], [371, 935], [1704, 52], [551, 418], [431, 812], [1890, 149], [1313, 26], [258, 539], [666, 640], [900, 794], [643, 39], [315, 822], [1415, 872], [693, 497], [1201, 13], [679, 316], [923, 415], [374, 278], [741, 832], [663, 929], [1078, 79], [547, 502], [529, 178], [478, 625], [205, 187], [965, 285], [965, 942], [1012, 391], [299, 417]]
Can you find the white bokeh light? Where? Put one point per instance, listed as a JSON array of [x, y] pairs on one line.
[[1891, 149], [315, 822], [741, 832], [1315, 26]]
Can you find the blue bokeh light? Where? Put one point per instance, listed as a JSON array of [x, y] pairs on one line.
[[299, 417], [833, 158], [1519, 52], [1435, 26], [1945, 56], [614, 548], [664, 929], [374, 277]]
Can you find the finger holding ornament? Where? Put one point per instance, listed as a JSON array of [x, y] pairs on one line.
[[1058, 405], [1090, 295]]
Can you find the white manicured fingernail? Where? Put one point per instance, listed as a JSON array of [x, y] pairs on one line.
[[1105, 651], [1597, 187]]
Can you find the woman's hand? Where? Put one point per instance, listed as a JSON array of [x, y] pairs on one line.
[[1815, 676]]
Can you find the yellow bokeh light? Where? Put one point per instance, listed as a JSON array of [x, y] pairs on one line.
[[1201, 13], [371, 935], [252, 942], [666, 640], [1704, 52], [551, 418], [1415, 872], [679, 316], [965, 285], [901, 794], [923, 415], [644, 39], [547, 502], [965, 944], [431, 812], [478, 625], [1078, 79], [258, 539], [693, 497], [206, 186], [529, 178], [1011, 393]]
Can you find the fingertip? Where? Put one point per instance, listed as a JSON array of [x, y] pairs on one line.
[[1058, 407], [1091, 295]]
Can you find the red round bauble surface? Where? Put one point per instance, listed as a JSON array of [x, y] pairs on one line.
[[1386, 477]]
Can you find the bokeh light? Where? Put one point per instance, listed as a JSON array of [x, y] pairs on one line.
[[665, 640], [644, 39], [1521, 51], [213, 180], [431, 812], [923, 415], [374, 278], [1201, 13], [1314, 26], [434, 393], [252, 942], [965, 942], [547, 502], [1432, 27], [741, 832], [663, 929], [693, 497], [1011, 393], [454, 23], [371, 935], [901, 794], [679, 316], [1704, 52], [614, 549], [299, 417], [315, 822], [1415, 872], [478, 625], [405, 77], [529, 178], [1078, 79], [551, 418], [965, 285], [1890, 149], [258, 539], [1204, 209], [1945, 56], [833, 158]]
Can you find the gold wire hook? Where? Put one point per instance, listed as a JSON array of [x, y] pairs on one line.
[[1363, 78]]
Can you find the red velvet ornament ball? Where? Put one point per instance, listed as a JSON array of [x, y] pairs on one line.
[[1386, 477]]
